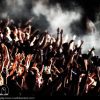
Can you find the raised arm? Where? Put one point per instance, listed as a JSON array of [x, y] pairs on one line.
[[27, 61], [43, 41], [58, 37], [15, 63], [61, 38], [6, 57]]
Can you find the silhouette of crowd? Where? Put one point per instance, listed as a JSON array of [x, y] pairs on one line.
[[35, 63]]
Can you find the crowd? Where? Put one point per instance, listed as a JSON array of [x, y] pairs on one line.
[[34, 63]]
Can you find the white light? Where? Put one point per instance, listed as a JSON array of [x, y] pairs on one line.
[[78, 43], [65, 38], [93, 53], [71, 46], [74, 37]]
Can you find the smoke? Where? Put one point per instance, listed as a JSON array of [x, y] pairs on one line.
[[46, 15], [56, 17], [91, 39], [15, 9]]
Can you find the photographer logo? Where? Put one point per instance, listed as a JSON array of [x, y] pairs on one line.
[[4, 90]]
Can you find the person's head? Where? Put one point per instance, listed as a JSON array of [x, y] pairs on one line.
[[2, 45]]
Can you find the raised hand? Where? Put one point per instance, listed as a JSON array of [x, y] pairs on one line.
[[17, 57], [82, 41], [71, 41], [58, 30], [93, 49], [30, 57], [61, 32]]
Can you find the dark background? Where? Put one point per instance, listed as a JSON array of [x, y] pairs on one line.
[[90, 7]]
